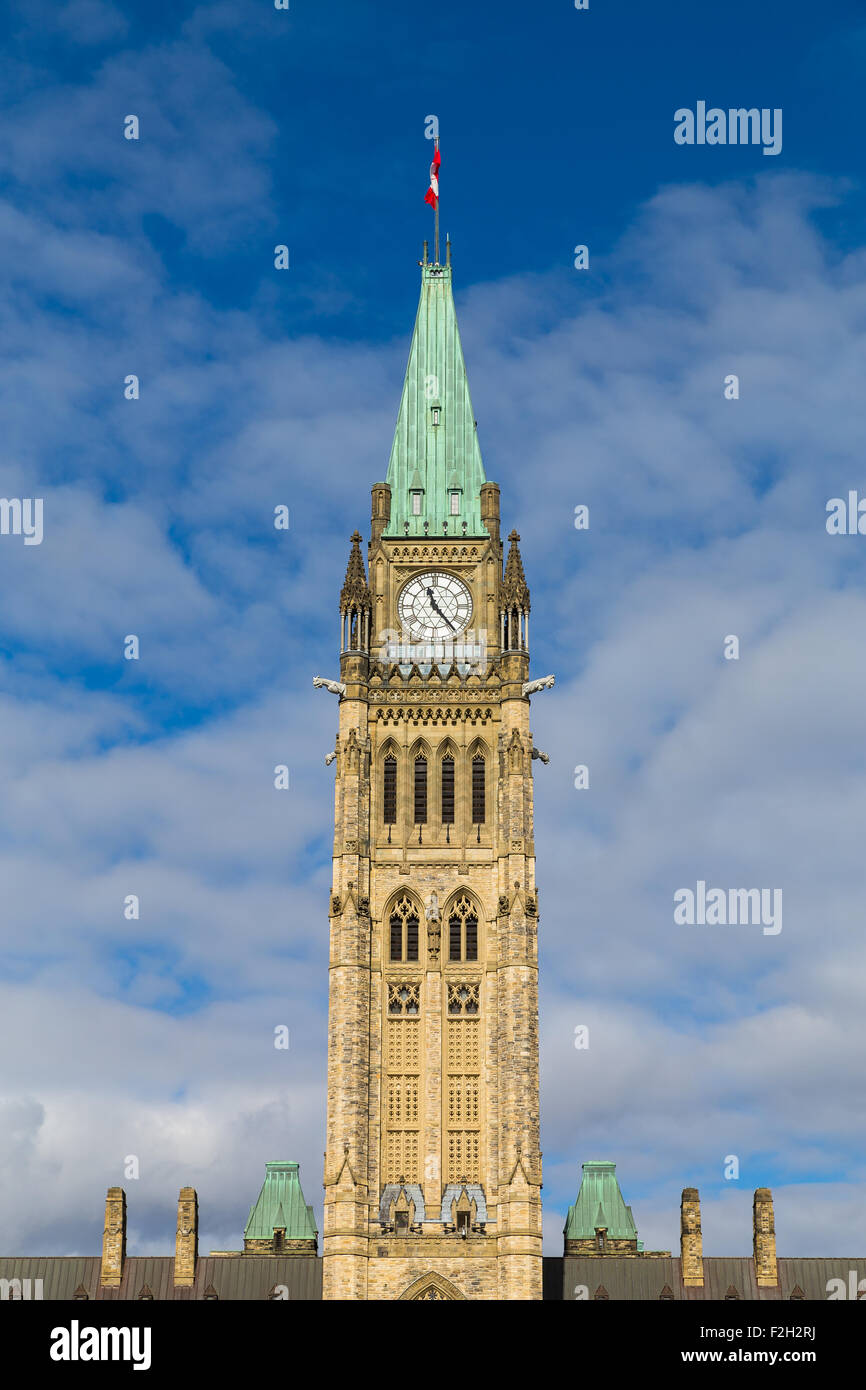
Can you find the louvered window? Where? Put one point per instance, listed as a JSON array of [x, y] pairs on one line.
[[396, 938], [389, 789], [448, 791], [455, 937], [478, 790], [420, 791]]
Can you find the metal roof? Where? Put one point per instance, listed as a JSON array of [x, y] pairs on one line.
[[281, 1204], [474, 1193], [623, 1277], [391, 1193], [60, 1274], [599, 1203], [643, 1277], [813, 1275], [251, 1277], [436, 457], [231, 1276]]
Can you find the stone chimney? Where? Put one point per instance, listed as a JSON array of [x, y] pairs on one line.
[[113, 1239], [186, 1240], [691, 1243], [764, 1239]]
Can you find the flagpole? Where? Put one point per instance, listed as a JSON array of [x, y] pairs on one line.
[[436, 215]]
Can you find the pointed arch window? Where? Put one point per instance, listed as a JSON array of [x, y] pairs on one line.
[[420, 790], [403, 926], [463, 930], [389, 789], [448, 790], [479, 799]]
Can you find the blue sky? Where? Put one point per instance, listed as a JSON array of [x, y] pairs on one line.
[[258, 387]]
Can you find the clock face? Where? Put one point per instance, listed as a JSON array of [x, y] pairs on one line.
[[434, 606]]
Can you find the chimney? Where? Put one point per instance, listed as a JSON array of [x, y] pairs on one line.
[[764, 1239], [691, 1244], [186, 1240], [113, 1239]]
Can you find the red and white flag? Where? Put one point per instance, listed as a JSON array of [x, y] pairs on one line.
[[432, 194]]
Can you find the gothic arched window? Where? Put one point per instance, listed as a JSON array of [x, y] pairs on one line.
[[462, 930], [403, 926], [389, 789], [421, 790], [448, 790], [479, 799]]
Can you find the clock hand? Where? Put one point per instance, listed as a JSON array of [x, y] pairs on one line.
[[436, 609]]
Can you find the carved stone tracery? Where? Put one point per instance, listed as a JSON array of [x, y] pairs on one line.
[[404, 998]]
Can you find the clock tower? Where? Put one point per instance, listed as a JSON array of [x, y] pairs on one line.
[[432, 1166]]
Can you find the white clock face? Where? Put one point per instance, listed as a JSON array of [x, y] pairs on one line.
[[434, 607]]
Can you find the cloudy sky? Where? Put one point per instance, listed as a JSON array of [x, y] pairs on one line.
[[260, 387]]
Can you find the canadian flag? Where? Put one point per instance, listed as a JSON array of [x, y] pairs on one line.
[[432, 194]]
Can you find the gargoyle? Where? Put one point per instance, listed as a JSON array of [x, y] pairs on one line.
[[335, 687], [545, 683]]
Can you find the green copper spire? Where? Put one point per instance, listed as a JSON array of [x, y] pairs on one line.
[[281, 1206], [435, 452], [600, 1204]]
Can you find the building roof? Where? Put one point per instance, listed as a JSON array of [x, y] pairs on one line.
[[281, 1204], [599, 1203], [252, 1277], [645, 1278], [224, 1276], [443, 457]]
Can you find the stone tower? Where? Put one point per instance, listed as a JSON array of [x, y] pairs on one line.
[[433, 1167]]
